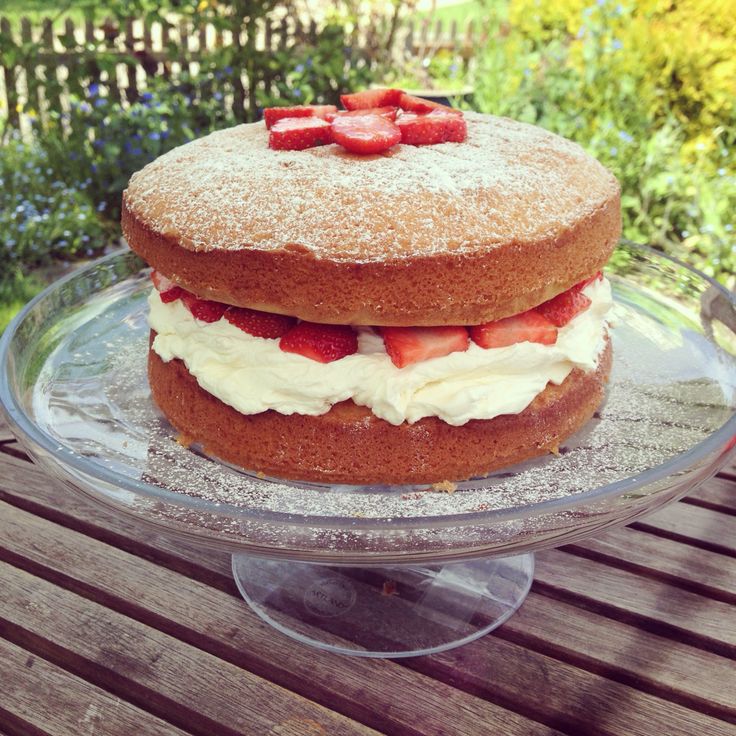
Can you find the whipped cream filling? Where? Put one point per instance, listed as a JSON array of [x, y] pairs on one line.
[[252, 374]]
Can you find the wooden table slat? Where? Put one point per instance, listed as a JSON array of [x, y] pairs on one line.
[[704, 572], [720, 492], [69, 703], [626, 653], [698, 526], [623, 595]]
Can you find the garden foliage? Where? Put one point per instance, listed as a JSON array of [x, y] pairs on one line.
[[650, 90]]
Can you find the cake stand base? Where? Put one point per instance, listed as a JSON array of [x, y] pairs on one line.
[[400, 611]]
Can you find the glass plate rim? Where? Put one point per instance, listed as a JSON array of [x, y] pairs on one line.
[[19, 420]]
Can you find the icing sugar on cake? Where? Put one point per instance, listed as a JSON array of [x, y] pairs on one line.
[[509, 182]]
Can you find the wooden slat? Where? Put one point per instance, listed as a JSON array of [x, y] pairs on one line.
[[701, 571], [697, 526], [625, 653], [142, 665], [39, 695], [377, 692], [10, 80], [626, 596], [568, 698], [719, 493]]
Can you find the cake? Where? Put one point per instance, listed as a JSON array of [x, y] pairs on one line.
[[427, 276]]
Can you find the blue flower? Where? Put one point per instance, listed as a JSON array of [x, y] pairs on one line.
[[217, 96], [614, 150], [100, 102], [146, 97], [85, 107], [616, 44], [102, 206], [299, 68], [600, 3], [228, 70], [720, 172], [154, 136], [728, 227], [94, 89], [685, 233], [136, 151], [624, 136], [297, 93]]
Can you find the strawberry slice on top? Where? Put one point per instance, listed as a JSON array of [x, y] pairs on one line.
[[562, 308], [389, 112], [320, 342], [407, 345], [365, 134], [296, 134], [410, 103], [259, 324], [430, 128], [371, 98], [525, 327], [272, 115]]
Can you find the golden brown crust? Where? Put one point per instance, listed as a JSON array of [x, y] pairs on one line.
[[349, 444], [429, 235]]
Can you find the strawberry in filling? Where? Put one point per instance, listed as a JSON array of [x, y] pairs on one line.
[[259, 324], [525, 327], [407, 345], [323, 343]]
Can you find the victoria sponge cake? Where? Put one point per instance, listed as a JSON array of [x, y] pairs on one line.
[[342, 306]]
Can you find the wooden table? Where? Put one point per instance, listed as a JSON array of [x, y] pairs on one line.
[[106, 628]]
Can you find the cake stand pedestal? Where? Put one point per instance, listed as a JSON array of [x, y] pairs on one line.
[[397, 611]]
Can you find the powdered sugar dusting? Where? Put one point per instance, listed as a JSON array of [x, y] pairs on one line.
[[508, 182]]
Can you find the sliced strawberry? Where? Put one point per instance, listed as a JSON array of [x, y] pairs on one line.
[[525, 327], [561, 309], [323, 343], [171, 295], [204, 309], [272, 115], [409, 103], [406, 345], [371, 98], [389, 112], [598, 276], [365, 134], [322, 111], [259, 324], [433, 127], [296, 134], [168, 291]]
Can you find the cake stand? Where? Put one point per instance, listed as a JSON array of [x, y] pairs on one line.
[[381, 571]]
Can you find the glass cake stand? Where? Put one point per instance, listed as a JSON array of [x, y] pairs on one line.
[[378, 571]]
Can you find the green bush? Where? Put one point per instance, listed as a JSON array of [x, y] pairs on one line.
[[104, 143], [678, 180]]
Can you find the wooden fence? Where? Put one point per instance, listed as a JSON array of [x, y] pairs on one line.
[[135, 50]]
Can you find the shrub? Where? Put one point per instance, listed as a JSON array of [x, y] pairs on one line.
[[678, 183], [42, 217], [103, 143]]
